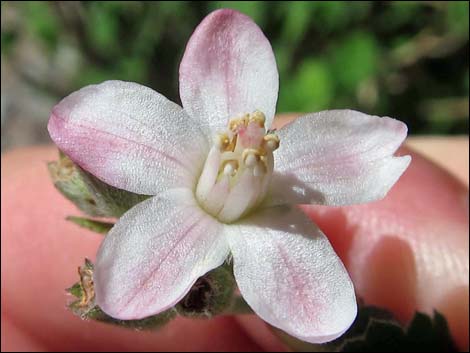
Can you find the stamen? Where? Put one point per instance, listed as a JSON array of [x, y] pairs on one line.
[[236, 123], [209, 173], [250, 157], [271, 142], [217, 196], [237, 171], [230, 168], [258, 117], [250, 160], [240, 197], [221, 141]]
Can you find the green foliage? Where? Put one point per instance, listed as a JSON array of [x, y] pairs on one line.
[[354, 60], [414, 53], [296, 20], [42, 21], [310, 90], [457, 17], [102, 27]]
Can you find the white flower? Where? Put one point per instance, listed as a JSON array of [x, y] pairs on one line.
[[222, 184]]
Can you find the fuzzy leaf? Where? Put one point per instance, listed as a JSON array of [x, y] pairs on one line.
[[88, 193], [95, 226]]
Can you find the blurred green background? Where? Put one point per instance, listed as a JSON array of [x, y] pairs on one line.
[[408, 60]]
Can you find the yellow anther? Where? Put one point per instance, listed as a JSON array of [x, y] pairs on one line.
[[234, 123], [257, 117], [271, 142], [250, 157], [222, 141], [230, 168]]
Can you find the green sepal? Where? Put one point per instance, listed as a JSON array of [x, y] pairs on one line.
[[88, 193], [115, 202], [68, 181], [95, 226], [376, 330], [149, 323], [75, 290], [211, 295]]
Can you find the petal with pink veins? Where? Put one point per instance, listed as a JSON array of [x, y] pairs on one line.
[[228, 69], [155, 253], [337, 157], [129, 136], [289, 274]]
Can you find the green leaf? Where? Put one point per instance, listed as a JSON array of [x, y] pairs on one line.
[[375, 330], [95, 226]]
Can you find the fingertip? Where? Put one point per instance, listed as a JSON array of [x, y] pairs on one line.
[[408, 251]]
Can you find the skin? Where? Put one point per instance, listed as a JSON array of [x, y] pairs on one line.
[[40, 253]]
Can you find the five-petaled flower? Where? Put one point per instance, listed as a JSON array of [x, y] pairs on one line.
[[222, 184]]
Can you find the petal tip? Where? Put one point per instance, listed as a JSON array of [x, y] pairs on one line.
[[225, 14]]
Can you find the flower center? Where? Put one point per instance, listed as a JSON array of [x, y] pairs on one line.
[[238, 168]]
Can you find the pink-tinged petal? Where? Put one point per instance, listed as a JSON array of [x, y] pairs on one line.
[[338, 157], [155, 253], [129, 136], [289, 274], [228, 69]]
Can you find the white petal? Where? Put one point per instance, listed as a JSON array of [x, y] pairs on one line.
[[338, 157], [129, 136], [154, 254], [289, 274], [228, 69]]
